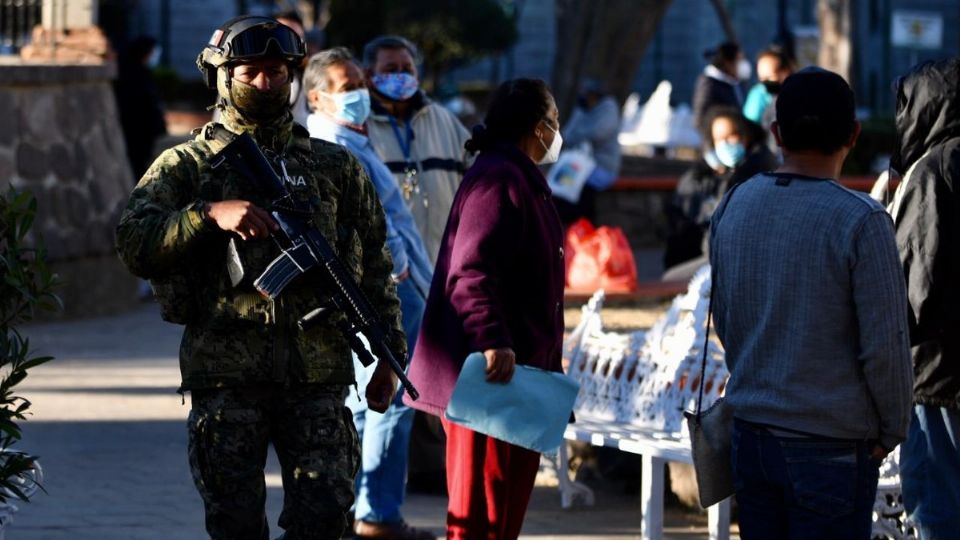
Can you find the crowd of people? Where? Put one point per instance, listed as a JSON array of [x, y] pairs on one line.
[[833, 311]]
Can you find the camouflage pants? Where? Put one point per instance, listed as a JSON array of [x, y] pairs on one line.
[[316, 443]]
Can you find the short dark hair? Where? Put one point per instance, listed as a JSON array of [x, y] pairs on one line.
[[516, 108], [371, 49], [750, 131], [783, 58], [725, 52], [815, 111], [316, 76]]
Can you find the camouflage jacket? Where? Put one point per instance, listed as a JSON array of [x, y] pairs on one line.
[[233, 336]]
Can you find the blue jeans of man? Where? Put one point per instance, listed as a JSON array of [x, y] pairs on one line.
[[385, 438], [795, 488], [930, 472]]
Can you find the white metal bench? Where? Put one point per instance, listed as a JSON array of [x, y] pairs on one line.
[[633, 391]]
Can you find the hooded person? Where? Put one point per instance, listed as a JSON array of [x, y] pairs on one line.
[[926, 212], [256, 377]]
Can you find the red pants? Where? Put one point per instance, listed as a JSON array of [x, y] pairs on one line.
[[489, 483]]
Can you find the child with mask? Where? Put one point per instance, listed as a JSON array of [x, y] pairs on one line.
[[736, 150]]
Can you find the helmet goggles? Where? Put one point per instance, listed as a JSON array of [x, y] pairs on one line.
[[265, 41]]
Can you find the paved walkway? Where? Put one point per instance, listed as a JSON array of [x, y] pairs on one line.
[[109, 430]]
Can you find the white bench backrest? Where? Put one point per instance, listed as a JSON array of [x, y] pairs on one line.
[[647, 378]]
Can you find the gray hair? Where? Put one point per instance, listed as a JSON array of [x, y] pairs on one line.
[[316, 76], [371, 49]]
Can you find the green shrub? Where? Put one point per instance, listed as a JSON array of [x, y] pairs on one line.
[[26, 289]]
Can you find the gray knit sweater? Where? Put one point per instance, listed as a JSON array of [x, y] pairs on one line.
[[810, 305]]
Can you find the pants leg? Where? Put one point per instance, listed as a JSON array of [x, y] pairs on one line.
[[385, 443], [802, 488], [385, 438], [228, 434], [489, 483], [318, 451], [930, 472], [761, 506]]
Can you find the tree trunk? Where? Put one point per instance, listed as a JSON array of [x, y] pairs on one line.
[[725, 20], [604, 40], [835, 18]]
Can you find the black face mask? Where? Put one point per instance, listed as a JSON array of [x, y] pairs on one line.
[[772, 87]]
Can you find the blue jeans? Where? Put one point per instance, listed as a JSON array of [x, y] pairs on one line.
[[385, 438], [798, 488], [930, 472]]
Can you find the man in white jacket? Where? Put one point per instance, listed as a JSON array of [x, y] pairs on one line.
[[420, 141]]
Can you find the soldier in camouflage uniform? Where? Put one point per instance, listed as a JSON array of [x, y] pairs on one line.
[[255, 378]]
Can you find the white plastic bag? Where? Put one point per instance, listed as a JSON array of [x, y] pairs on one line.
[[569, 174]]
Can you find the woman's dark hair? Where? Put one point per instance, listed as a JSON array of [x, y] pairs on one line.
[[751, 132], [724, 53], [781, 55], [516, 108]]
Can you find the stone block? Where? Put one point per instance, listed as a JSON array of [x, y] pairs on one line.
[[8, 112], [75, 45], [95, 286], [32, 162], [61, 159]]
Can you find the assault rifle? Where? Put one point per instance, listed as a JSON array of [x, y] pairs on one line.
[[304, 249]]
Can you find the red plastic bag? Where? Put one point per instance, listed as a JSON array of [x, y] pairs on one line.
[[599, 258]]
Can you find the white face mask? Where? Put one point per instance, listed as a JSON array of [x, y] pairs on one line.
[[744, 70], [553, 151]]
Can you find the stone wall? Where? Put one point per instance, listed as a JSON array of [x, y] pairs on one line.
[[62, 141]]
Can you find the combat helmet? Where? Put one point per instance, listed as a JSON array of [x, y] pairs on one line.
[[245, 38]]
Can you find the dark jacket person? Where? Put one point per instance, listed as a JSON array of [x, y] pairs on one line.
[[927, 218], [498, 289]]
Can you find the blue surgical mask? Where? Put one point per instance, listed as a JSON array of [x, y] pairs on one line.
[[710, 157], [396, 86], [353, 107], [730, 154]]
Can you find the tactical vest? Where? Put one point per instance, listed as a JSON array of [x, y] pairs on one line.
[[233, 335]]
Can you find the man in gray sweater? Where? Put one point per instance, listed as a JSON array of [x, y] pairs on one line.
[[810, 305]]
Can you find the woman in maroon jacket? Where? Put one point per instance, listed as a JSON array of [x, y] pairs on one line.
[[498, 289]]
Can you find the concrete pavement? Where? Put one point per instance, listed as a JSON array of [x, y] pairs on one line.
[[110, 432]]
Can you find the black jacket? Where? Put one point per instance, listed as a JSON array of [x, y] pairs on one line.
[[927, 219], [709, 93]]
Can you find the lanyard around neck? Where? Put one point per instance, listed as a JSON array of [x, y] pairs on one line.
[[405, 143]]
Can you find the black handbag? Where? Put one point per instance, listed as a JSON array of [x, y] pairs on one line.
[[711, 434]]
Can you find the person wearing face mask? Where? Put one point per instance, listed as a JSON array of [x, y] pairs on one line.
[[721, 83], [774, 65], [497, 289], [740, 150], [595, 122], [419, 140], [138, 102], [739, 146], [337, 94], [255, 377], [422, 143]]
